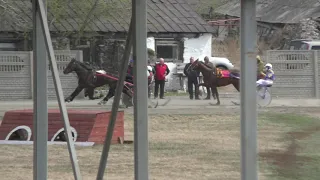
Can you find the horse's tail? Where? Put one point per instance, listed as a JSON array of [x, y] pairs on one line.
[[235, 73]]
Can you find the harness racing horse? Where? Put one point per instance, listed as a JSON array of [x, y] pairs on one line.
[[213, 78], [89, 79]]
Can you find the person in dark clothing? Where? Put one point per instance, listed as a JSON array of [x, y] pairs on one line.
[[161, 71], [129, 76], [192, 80], [211, 66]]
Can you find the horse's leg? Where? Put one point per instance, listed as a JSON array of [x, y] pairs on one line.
[[215, 91], [208, 92], [108, 96], [128, 91], [74, 94], [91, 94], [214, 95], [86, 92]]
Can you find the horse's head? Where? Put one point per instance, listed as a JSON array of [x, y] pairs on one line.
[[194, 66], [73, 64]]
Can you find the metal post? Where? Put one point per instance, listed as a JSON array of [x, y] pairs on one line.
[[40, 113], [248, 91], [59, 92], [316, 74], [115, 104], [139, 9]]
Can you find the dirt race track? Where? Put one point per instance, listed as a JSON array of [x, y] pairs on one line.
[[188, 140], [176, 105], [181, 105]]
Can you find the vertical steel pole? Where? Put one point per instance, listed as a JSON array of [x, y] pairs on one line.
[[248, 91], [40, 113], [141, 90], [58, 88], [115, 104]]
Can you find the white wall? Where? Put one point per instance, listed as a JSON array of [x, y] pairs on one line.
[[196, 47]]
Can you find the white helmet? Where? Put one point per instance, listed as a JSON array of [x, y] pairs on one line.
[[268, 65]]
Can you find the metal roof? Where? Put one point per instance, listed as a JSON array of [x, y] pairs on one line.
[[174, 16], [275, 11]]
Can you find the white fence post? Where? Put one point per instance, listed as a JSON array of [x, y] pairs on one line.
[[316, 74]]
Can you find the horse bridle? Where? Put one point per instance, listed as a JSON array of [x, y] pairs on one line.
[[192, 66]]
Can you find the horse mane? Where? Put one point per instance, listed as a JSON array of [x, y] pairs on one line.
[[84, 66]]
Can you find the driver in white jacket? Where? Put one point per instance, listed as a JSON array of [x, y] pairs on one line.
[[269, 77]]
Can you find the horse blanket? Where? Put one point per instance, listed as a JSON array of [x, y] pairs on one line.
[[226, 74], [222, 73]]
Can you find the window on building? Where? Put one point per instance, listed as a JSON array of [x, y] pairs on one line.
[[167, 49]]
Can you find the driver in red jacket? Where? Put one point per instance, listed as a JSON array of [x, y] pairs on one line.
[[161, 71]]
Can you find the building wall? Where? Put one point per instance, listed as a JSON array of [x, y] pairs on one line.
[[198, 47]]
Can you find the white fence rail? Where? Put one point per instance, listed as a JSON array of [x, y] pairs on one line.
[[16, 75]]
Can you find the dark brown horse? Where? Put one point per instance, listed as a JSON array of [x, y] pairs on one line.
[[88, 79], [216, 77]]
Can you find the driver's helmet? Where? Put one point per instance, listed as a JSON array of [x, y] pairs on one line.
[[258, 58], [131, 61], [268, 66]]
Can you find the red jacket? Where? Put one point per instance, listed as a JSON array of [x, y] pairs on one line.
[[161, 71]]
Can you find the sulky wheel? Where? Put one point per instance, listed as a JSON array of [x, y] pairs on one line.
[[263, 99]]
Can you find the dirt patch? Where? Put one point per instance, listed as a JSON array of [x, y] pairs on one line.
[[303, 133], [287, 161]]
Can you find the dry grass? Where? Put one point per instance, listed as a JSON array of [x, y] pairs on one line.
[[230, 48], [182, 147]]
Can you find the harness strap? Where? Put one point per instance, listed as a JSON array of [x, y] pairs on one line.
[[113, 78]]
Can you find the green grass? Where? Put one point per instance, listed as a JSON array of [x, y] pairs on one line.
[[302, 158]]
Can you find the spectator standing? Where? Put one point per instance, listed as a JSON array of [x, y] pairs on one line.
[[161, 71], [192, 79]]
